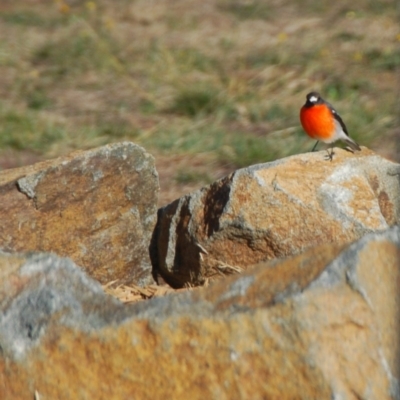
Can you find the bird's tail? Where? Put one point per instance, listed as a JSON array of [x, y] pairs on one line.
[[352, 144]]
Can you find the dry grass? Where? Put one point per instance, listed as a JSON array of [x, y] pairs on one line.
[[133, 293], [217, 83]]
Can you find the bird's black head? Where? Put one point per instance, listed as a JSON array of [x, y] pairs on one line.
[[313, 98]]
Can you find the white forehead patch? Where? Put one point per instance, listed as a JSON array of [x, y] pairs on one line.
[[313, 99]]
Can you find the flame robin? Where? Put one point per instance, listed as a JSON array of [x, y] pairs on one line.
[[322, 122]]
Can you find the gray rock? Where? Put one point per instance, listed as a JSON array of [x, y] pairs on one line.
[[97, 207], [318, 325], [274, 210]]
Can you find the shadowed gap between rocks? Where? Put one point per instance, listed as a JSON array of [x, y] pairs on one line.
[[214, 203]]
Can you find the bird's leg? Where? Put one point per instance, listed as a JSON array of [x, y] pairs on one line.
[[329, 156], [315, 146]]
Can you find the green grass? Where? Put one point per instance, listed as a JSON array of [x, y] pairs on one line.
[[23, 131], [25, 18], [187, 138], [202, 101], [190, 59], [37, 99], [194, 101], [225, 80], [252, 9], [188, 176], [73, 54], [384, 60], [242, 151]]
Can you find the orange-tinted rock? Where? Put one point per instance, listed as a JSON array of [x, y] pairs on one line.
[[275, 210], [320, 325], [97, 207]]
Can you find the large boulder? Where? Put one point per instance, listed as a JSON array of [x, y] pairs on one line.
[[98, 207], [320, 325], [274, 210]]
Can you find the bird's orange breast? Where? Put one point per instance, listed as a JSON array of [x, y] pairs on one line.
[[318, 122]]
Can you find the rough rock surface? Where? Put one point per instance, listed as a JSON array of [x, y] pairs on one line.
[[98, 207], [320, 325], [274, 210]]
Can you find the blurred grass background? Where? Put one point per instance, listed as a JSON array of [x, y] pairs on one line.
[[206, 86]]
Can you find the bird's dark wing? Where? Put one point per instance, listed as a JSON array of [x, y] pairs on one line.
[[338, 118]]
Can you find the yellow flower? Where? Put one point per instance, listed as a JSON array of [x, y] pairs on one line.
[[63, 7], [358, 56], [282, 37], [324, 52], [34, 74], [109, 24], [91, 5]]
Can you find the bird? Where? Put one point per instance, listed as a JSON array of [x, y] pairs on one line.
[[322, 122]]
